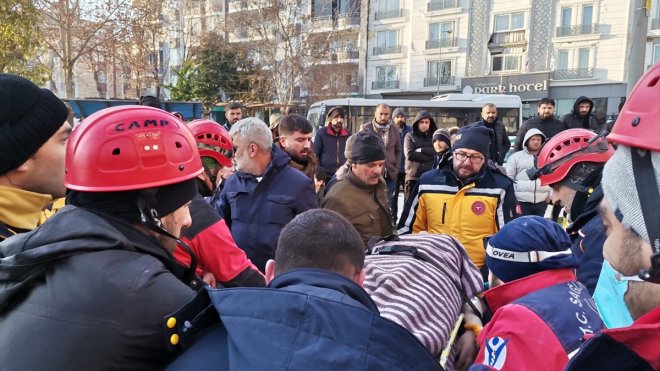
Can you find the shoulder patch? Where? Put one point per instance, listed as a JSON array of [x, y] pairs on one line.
[[495, 354]]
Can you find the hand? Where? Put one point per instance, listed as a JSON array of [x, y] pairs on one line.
[[467, 350], [209, 279]]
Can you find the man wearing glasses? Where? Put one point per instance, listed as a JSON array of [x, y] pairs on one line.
[[464, 198]]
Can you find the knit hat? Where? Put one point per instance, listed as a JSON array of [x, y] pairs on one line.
[[335, 111], [29, 116], [150, 101], [441, 136], [529, 245], [399, 112], [367, 148], [124, 204], [474, 137], [349, 146], [619, 187]]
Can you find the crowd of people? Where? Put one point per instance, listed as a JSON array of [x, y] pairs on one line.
[[136, 240]]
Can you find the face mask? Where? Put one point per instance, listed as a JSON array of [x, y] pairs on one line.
[[609, 296]]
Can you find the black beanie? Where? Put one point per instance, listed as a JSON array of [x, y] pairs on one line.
[[367, 148], [29, 116], [474, 137], [124, 204], [442, 136]]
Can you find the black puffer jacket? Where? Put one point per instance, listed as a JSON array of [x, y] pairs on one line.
[[549, 127], [574, 121], [418, 148], [85, 292]]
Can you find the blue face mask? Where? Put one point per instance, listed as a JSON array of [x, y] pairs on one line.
[[609, 296]]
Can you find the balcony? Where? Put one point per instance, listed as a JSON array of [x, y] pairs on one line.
[[379, 16], [441, 4], [655, 24], [341, 55], [441, 43], [444, 80], [348, 19], [508, 37], [378, 85], [382, 50], [573, 74], [583, 29], [325, 21]]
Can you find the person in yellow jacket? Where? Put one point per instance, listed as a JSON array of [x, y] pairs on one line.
[[465, 197], [33, 136]]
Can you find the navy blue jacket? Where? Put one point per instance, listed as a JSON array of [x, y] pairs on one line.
[[329, 148], [256, 211], [307, 319], [588, 237]]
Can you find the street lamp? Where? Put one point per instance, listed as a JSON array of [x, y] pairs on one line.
[[438, 68]]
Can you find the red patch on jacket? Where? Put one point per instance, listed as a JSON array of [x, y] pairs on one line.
[[478, 207]]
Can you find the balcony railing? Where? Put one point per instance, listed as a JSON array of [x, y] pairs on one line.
[[573, 74], [348, 19], [582, 29], [344, 55], [441, 43], [655, 24], [377, 85], [441, 4], [508, 37], [394, 49], [379, 16], [444, 80]]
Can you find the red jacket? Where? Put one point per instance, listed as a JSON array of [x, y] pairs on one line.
[[538, 322], [209, 238], [629, 348]]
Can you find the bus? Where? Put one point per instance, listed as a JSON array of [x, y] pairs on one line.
[[447, 110]]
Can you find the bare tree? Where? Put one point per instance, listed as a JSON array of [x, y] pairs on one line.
[[73, 28]]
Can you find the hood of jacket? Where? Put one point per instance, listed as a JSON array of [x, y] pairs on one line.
[[424, 115], [576, 105], [26, 257], [530, 133]]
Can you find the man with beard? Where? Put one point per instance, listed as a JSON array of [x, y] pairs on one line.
[[381, 125], [631, 214], [330, 141], [360, 196], [264, 194], [545, 122], [465, 198], [233, 113], [295, 138], [89, 288], [581, 117], [500, 144]]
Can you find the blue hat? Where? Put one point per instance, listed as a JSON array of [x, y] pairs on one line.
[[474, 137], [529, 245]]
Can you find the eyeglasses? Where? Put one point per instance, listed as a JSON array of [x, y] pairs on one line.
[[460, 156]]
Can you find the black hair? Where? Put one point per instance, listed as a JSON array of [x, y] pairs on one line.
[[293, 122], [319, 238], [234, 105], [150, 101], [549, 101]]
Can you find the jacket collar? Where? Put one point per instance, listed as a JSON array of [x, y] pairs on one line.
[[280, 160], [344, 132], [21, 209], [502, 295], [324, 279]]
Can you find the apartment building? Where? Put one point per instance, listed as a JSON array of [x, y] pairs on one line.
[[532, 48]]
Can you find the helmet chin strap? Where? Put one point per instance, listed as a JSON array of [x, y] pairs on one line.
[[150, 219], [649, 197]]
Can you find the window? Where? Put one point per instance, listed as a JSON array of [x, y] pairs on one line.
[[440, 30], [509, 62], [386, 38], [583, 59], [587, 15], [562, 60], [509, 22], [438, 73], [387, 73], [322, 8], [566, 17], [388, 5], [656, 53]]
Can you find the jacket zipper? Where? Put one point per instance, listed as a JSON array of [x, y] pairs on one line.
[[444, 210]]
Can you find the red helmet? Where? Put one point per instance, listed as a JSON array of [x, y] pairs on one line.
[[213, 141], [637, 124], [129, 148], [561, 152]]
